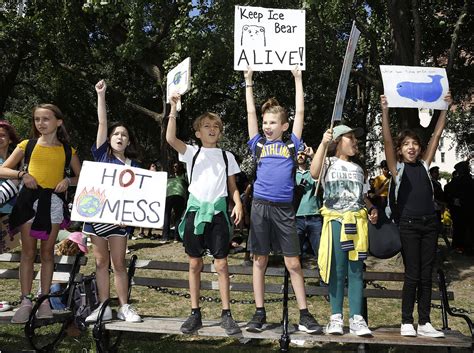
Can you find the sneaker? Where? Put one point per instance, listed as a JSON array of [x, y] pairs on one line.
[[229, 325], [22, 314], [358, 326], [128, 313], [257, 322], [429, 331], [309, 324], [192, 324], [93, 317], [44, 311], [407, 330], [5, 306], [335, 325]]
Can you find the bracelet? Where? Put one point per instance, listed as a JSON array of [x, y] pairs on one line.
[[21, 177], [172, 116], [68, 181], [249, 85]]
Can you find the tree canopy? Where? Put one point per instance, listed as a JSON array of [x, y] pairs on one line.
[[55, 51]]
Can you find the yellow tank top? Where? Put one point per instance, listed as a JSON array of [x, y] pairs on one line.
[[46, 164]]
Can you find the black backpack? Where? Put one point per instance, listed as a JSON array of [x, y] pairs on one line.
[[86, 299], [298, 191]]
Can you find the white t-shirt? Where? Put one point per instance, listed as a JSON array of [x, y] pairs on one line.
[[344, 186], [209, 181]]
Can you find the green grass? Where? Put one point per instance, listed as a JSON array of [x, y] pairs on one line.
[[382, 312]]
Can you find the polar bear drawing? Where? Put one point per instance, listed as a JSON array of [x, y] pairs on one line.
[[253, 36]]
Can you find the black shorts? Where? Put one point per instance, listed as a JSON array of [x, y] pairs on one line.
[[273, 228], [216, 237]]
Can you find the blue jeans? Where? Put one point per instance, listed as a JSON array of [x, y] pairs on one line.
[[309, 226]]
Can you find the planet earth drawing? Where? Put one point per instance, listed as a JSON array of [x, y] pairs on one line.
[[88, 205]]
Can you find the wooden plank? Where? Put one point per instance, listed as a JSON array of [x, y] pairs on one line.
[[15, 274], [269, 288], [59, 316], [15, 257], [386, 336], [271, 271]]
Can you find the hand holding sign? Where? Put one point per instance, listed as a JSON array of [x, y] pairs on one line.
[[297, 72]]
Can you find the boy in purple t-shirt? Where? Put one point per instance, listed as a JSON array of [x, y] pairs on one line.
[[272, 223]]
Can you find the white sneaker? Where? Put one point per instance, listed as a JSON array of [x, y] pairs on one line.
[[335, 325], [429, 331], [128, 313], [407, 330], [5, 306], [93, 317], [358, 326]]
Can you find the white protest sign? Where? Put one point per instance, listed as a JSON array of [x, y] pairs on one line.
[[415, 86], [345, 73], [114, 194], [179, 79], [269, 39]]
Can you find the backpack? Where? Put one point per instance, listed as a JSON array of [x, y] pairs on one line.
[[29, 151], [85, 299], [298, 191], [226, 162], [224, 156]]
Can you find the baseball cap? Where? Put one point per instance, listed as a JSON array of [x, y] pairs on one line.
[[340, 130], [78, 238]]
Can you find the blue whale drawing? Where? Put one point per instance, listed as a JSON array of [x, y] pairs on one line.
[[423, 91]]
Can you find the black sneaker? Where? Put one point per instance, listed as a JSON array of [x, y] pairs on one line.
[[229, 325], [192, 324], [309, 324], [257, 322]]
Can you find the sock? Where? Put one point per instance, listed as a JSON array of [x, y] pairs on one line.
[[226, 312], [196, 311], [304, 312], [261, 310]]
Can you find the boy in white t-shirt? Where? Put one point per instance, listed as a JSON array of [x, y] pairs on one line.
[[206, 225]]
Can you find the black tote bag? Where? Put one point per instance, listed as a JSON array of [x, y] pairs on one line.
[[384, 238]]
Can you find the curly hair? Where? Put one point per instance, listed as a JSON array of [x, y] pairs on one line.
[[67, 248], [407, 133]]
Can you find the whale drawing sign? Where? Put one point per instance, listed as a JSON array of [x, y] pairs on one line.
[[114, 194], [269, 39], [415, 87]]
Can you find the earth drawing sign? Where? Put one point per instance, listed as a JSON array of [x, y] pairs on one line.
[[269, 39], [179, 79], [415, 86], [120, 194]]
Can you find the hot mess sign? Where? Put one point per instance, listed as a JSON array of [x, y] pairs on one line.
[[115, 194], [269, 39]]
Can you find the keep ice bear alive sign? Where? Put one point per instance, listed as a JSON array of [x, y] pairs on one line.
[[269, 39], [111, 193]]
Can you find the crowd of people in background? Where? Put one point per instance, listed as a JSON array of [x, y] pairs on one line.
[[299, 204]]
